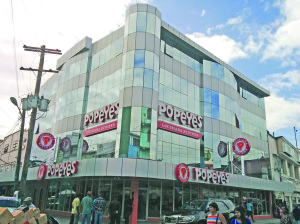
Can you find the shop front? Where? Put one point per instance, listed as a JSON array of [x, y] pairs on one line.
[[156, 185]]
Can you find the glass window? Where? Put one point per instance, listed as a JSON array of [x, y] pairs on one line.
[[207, 95], [154, 198], [207, 109], [178, 195], [155, 81], [138, 77], [215, 111], [215, 98], [150, 23], [130, 59], [149, 60], [139, 58], [183, 86], [132, 23], [148, 77], [141, 22], [168, 79], [167, 196]]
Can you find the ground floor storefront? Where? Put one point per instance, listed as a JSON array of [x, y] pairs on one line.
[[156, 186]]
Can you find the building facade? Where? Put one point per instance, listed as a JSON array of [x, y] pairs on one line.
[[133, 105], [285, 166]]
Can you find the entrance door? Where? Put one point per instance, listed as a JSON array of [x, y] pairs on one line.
[[142, 204]]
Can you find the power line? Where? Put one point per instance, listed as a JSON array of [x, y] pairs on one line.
[[14, 45]]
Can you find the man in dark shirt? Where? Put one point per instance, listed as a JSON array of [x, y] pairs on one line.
[[114, 211], [296, 213]]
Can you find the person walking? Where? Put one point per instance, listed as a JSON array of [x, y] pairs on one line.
[[296, 213], [285, 218], [28, 202], [114, 211], [249, 210], [239, 217], [86, 205], [128, 207], [75, 210], [214, 217], [99, 205]]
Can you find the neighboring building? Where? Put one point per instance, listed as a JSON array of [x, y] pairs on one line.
[[133, 105], [8, 158], [285, 166]]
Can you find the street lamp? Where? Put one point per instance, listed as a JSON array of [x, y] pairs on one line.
[[17, 173]]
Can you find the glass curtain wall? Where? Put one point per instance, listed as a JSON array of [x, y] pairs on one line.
[[141, 73]]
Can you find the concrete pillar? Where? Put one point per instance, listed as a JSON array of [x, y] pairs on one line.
[[285, 167], [292, 171], [135, 189]]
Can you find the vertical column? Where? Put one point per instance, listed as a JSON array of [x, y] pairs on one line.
[[140, 80], [292, 170], [285, 167], [135, 189]]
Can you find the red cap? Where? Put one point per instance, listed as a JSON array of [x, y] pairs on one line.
[[89, 192]]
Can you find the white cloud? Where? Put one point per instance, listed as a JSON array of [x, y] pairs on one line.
[[203, 12], [234, 21], [222, 46], [282, 110], [278, 82], [285, 41], [56, 24]]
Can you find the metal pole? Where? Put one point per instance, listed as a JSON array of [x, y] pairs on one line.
[[31, 126], [295, 136], [17, 173]]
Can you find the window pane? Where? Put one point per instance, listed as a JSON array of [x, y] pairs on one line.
[[132, 23], [150, 23], [141, 22], [154, 198], [148, 77], [167, 196], [139, 58], [138, 77], [149, 60]]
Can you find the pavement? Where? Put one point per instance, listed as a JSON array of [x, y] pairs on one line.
[[66, 220]]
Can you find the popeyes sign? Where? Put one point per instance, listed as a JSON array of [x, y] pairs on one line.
[[184, 117], [182, 173], [64, 169], [102, 114]]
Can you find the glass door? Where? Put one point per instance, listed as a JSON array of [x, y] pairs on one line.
[[142, 204]]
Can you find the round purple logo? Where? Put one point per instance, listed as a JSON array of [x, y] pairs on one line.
[[222, 149], [241, 146], [65, 144], [182, 172]]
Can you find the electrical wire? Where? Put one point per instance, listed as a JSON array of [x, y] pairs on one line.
[[14, 46]]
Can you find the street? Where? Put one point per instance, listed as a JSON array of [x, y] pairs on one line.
[[65, 220]]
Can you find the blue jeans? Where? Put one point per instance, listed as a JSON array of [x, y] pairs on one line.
[[98, 217], [86, 217]]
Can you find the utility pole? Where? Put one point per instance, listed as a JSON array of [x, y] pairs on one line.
[[295, 130], [40, 70]]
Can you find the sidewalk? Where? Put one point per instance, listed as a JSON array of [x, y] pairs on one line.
[[66, 220]]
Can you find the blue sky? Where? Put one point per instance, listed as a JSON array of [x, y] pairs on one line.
[[260, 38]]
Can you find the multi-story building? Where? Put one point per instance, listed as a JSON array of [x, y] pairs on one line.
[[8, 158], [285, 166], [133, 105]]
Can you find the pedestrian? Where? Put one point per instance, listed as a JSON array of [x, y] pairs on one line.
[[239, 217], [296, 213], [99, 205], [128, 207], [86, 205], [285, 219], [214, 217], [75, 210], [28, 202], [114, 211], [249, 210]]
